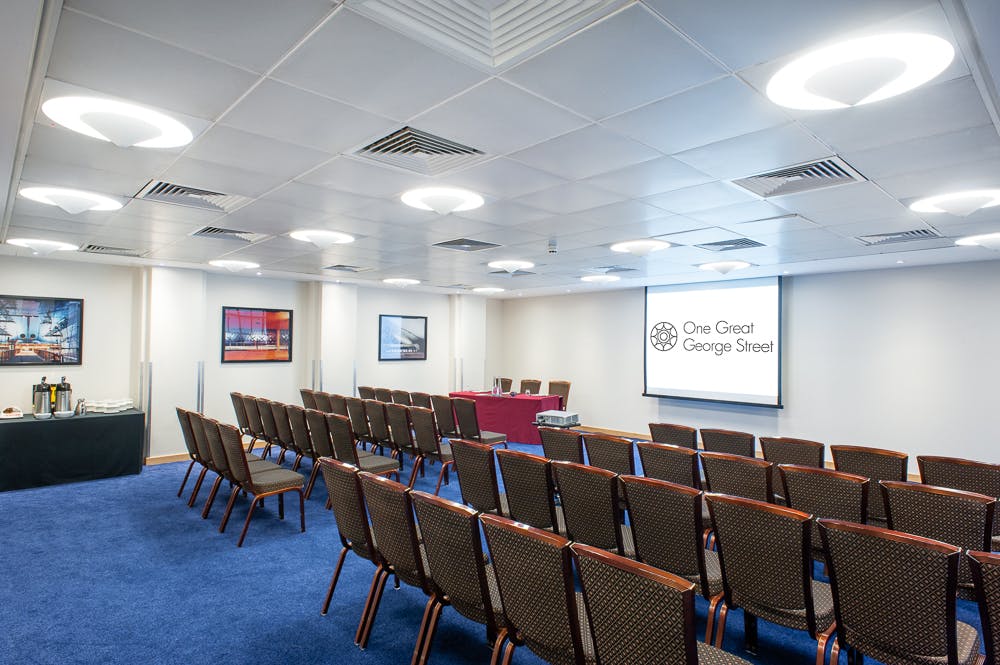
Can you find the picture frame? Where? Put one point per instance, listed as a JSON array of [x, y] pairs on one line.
[[402, 337], [42, 331], [256, 335]]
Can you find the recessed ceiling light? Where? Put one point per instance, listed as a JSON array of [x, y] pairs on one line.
[[840, 70], [488, 289], [121, 123], [73, 201], [442, 200], [600, 279], [321, 237], [987, 240], [962, 204], [401, 281], [511, 265], [232, 265], [42, 247], [725, 267], [640, 247]]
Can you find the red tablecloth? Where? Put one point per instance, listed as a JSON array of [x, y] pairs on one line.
[[511, 415]]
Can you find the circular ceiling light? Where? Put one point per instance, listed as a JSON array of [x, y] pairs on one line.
[[42, 247], [511, 265], [73, 201], [640, 247], [961, 204], [860, 71], [121, 123], [488, 289], [987, 240], [442, 200], [321, 237], [232, 265], [725, 267], [600, 279], [401, 281]]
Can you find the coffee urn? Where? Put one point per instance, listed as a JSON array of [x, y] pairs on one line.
[[64, 398], [41, 400]]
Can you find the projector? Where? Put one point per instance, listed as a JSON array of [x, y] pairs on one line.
[[558, 418]]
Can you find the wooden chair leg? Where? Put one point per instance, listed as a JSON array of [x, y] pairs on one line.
[[422, 630], [720, 630], [442, 476], [835, 653], [229, 508], [211, 498], [312, 478], [184, 482], [379, 577], [246, 524], [281, 456], [297, 462], [372, 613], [429, 635], [713, 608], [197, 486], [333, 582], [508, 654], [501, 638], [418, 465], [821, 641]]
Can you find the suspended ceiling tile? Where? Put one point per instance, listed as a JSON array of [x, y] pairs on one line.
[[360, 177], [56, 144], [52, 172], [253, 152], [570, 197], [506, 213], [927, 152], [623, 212], [735, 214], [219, 178], [958, 177], [700, 197], [663, 174], [267, 216], [318, 198], [585, 153], [503, 178]]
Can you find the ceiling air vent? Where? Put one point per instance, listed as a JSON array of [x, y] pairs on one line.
[[166, 192], [340, 267], [466, 245], [516, 273], [802, 178], [420, 152], [112, 251], [227, 234], [900, 236], [611, 269], [727, 245]]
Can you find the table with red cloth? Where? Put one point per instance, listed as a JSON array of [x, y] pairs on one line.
[[512, 416]]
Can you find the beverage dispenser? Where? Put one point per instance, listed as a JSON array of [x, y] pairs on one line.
[[64, 399], [41, 400]]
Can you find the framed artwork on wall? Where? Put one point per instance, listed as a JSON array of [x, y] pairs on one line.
[[255, 335], [402, 337], [40, 331]]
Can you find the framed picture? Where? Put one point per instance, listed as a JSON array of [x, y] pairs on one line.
[[402, 337], [40, 331], [254, 335]]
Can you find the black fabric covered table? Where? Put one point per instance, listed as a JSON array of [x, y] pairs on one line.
[[66, 450]]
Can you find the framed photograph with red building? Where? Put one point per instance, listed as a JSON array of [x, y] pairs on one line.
[[255, 335]]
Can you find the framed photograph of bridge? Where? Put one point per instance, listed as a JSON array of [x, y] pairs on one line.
[[40, 331], [402, 337], [255, 335]]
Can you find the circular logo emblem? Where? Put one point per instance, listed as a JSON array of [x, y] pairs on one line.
[[663, 336]]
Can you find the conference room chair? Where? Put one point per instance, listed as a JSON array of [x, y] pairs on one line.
[[894, 595], [383, 395], [366, 392], [468, 424], [346, 450], [445, 414], [423, 400], [270, 427], [359, 420], [986, 578], [765, 552], [302, 443], [737, 475], [204, 454], [874, 463], [254, 422], [613, 453], [505, 384], [532, 386], [963, 474], [560, 388], [461, 577], [308, 398], [284, 437], [561, 444], [675, 464], [189, 443], [429, 446], [728, 441], [400, 397], [378, 426], [952, 516], [591, 507], [788, 450], [527, 480], [397, 417], [825, 493], [395, 531], [319, 439], [259, 484], [220, 462], [639, 613], [475, 466], [241, 413], [675, 435], [323, 401], [540, 605], [338, 405]]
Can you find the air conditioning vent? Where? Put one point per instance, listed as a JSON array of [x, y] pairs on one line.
[[227, 234], [802, 178], [340, 267], [605, 270], [421, 152], [728, 245], [113, 251], [900, 236], [516, 273], [166, 192], [466, 245]]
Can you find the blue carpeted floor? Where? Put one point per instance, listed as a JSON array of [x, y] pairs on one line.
[[121, 571]]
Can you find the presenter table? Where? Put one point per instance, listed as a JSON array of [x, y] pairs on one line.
[[65, 450], [512, 416]]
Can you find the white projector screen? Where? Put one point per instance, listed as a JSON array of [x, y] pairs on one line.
[[717, 341]]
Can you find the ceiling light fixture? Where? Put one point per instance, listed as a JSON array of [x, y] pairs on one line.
[[725, 267], [42, 247], [401, 281], [233, 265], [961, 204], [511, 265], [126, 125], [442, 200], [840, 70], [321, 237], [73, 201], [987, 240], [640, 247], [600, 279], [488, 289]]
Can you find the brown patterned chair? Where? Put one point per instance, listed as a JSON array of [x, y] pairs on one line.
[[366, 392], [591, 507], [766, 558], [728, 441], [270, 427], [192, 447], [445, 414], [359, 420], [468, 424], [428, 444], [308, 398], [284, 429], [505, 384], [640, 614], [338, 405], [985, 568], [320, 439], [219, 461], [242, 421], [533, 386], [894, 595], [561, 444], [423, 400], [613, 453], [401, 397], [874, 463], [254, 422], [378, 426], [346, 450], [963, 474], [560, 388], [302, 442], [737, 475], [322, 401], [540, 607], [475, 464], [400, 431], [825, 493], [674, 464], [675, 435], [204, 452], [383, 395], [787, 450], [528, 481]]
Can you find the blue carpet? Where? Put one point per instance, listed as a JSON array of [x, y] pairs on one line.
[[121, 571]]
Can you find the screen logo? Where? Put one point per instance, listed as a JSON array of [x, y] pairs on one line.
[[663, 336]]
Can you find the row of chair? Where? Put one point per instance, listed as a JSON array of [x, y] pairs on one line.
[[534, 387], [528, 386]]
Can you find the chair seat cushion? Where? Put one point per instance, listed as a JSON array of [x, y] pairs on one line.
[[796, 618], [968, 650], [261, 465], [491, 438], [378, 464], [276, 480]]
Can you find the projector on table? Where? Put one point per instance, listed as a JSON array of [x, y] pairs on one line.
[[558, 418]]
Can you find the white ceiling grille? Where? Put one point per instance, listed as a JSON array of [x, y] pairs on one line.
[[340, 267], [227, 234], [492, 33], [607, 270], [421, 152], [900, 236], [516, 273], [166, 192], [728, 245], [804, 177], [113, 251], [466, 245]]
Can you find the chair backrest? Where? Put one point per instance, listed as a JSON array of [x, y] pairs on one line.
[[366, 392], [425, 432], [322, 401], [893, 592], [960, 474], [786, 450], [219, 459], [344, 444], [562, 444], [300, 429], [728, 441], [505, 384], [377, 424], [383, 395], [359, 419], [560, 388], [400, 428], [477, 475], [254, 421], [454, 550], [528, 481], [674, 464], [201, 441], [825, 493], [187, 433], [737, 475], [465, 414], [533, 386], [282, 425], [423, 400], [765, 554], [401, 397], [589, 498], [267, 419], [610, 452], [445, 415], [338, 405], [308, 398], [874, 463], [637, 614], [348, 503], [319, 433], [675, 435], [986, 576], [236, 457], [394, 528], [535, 577], [667, 527], [241, 412]]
